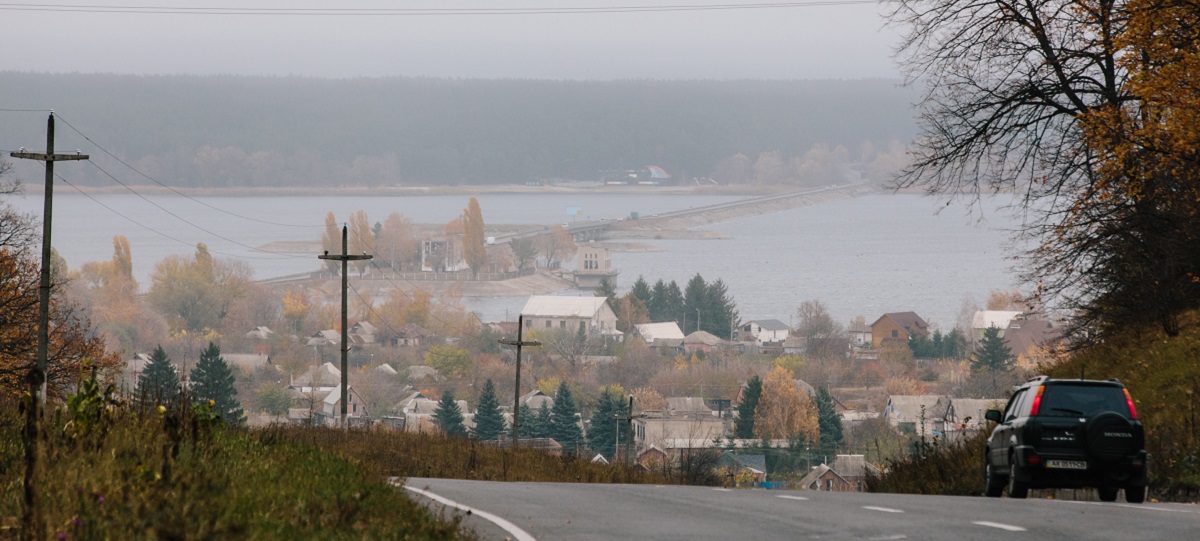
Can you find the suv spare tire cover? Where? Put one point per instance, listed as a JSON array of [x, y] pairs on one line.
[[1109, 436]]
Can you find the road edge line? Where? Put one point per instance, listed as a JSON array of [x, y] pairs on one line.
[[516, 531]]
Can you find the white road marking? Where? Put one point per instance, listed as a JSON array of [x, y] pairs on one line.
[[722, 490], [883, 509], [516, 532], [888, 537], [1130, 506], [786, 497], [1008, 527]]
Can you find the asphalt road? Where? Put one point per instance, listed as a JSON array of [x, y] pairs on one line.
[[552, 511]]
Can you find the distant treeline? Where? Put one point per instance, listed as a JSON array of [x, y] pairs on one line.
[[214, 131]]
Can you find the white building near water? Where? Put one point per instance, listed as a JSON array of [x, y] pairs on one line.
[[550, 312]]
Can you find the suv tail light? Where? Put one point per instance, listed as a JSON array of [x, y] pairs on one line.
[[1132, 408], [1037, 401]]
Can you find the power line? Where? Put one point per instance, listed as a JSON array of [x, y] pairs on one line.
[[414, 12], [173, 190], [186, 221], [146, 227]]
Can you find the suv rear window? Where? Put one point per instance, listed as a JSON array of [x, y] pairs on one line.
[[1066, 400]]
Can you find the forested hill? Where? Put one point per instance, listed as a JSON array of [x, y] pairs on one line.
[[212, 131]]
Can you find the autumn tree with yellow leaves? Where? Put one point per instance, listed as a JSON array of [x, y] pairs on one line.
[[784, 411], [1087, 110], [474, 247]]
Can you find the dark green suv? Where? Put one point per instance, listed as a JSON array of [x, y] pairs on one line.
[[1064, 433]]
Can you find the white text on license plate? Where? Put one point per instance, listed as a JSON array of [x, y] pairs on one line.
[[1067, 464]]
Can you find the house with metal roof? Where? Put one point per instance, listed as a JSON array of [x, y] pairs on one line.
[[665, 335], [764, 331], [553, 312]]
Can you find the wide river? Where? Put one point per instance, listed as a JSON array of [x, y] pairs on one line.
[[863, 256]]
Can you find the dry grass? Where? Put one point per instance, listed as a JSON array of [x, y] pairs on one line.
[[398, 454], [174, 476]]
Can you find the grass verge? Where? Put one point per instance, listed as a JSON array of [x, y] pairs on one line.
[[174, 476]]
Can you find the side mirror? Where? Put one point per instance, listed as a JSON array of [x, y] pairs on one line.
[[992, 415]]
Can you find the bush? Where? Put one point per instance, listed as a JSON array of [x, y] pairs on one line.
[[936, 467]]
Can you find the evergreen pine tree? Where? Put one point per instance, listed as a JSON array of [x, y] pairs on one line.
[[607, 289], [489, 421], [695, 304], [658, 303], [603, 432], [563, 426], [449, 417], [158, 383], [722, 314], [212, 379], [542, 429], [641, 290], [743, 428], [992, 355], [828, 420], [529, 423], [673, 305]]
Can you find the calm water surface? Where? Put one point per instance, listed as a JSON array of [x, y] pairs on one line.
[[866, 256]]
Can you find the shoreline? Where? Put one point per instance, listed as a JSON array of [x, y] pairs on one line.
[[422, 191]]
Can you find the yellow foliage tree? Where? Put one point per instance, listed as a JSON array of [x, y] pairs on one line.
[[361, 239], [474, 249], [784, 412]]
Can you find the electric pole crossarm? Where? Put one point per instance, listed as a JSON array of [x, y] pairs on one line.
[[43, 157], [30, 518], [518, 343], [345, 350]]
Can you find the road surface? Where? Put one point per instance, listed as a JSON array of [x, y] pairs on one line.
[[553, 511]]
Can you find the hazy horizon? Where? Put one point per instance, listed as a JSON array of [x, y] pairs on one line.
[[789, 41]]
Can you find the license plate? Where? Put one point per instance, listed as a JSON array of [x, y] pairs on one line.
[[1067, 464]]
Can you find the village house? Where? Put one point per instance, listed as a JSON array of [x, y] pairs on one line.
[[551, 312], [860, 335], [764, 331], [982, 320], [918, 414], [847, 473], [687, 423], [703, 341], [662, 336], [247, 363], [410, 335], [896, 328], [332, 405]]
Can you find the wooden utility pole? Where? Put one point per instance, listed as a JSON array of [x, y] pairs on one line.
[[517, 391], [628, 418], [31, 525], [345, 258]]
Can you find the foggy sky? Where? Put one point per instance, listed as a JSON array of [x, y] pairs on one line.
[[841, 41]]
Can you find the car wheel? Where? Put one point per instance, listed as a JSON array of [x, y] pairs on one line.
[[995, 483], [1135, 494], [1107, 494], [1016, 489]]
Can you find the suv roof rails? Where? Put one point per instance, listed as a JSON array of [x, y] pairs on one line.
[[1037, 378]]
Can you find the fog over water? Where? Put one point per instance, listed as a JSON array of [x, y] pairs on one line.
[[867, 256]]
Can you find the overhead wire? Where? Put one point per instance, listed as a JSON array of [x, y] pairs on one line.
[[415, 12], [186, 221], [172, 189], [144, 226]]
